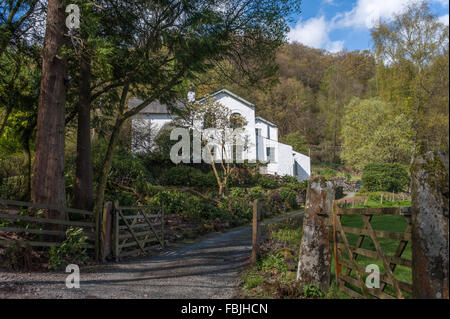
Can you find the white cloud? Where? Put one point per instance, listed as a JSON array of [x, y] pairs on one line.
[[366, 13], [314, 33], [335, 46], [444, 19]]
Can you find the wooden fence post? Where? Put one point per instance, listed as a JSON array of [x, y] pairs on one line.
[[162, 227], [115, 228], [256, 230], [430, 229], [314, 267], [106, 231]]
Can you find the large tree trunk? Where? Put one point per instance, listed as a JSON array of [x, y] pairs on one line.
[[84, 189], [48, 185]]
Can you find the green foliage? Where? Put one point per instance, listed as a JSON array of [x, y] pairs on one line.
[[373, 132], [17, 257], [297, 141], [256, 192], [179, 176], [273, 204], [311, 291], [13, 188], [385, 177], [252, 280], [289, 197], [187, 205], [239, 205], [286, 235], [274, 263], [71, 250], [328, 173], [416, 78], [267, 181]]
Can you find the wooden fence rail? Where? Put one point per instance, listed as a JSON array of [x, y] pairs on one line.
[[341, 244], [23, 218]]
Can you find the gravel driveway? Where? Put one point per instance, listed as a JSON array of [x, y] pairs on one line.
[[207, 269]]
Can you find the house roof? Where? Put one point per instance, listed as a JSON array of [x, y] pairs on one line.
[[156, 107], [259, 118], [228, 92]]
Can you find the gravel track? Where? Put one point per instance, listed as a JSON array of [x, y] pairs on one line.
[[207, 269]]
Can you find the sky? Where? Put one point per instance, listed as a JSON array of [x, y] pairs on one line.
[[345, 24]]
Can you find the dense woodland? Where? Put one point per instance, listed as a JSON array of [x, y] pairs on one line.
[[63, 94]]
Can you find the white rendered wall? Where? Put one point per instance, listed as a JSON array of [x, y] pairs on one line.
[[285, 160], [248, 114], [303, 163]]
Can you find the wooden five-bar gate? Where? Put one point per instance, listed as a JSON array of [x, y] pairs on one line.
[[349, 273], [137, 230]]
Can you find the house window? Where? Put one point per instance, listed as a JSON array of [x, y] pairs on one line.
[[268, 132], [271, 154], [258, 132]]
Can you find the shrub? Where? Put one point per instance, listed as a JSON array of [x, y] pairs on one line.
[[267, 181], [252, 280], [256, 192], [289, 197], [239, 205], [237, 192], [174, 202], [71, 251], [311, 291], [328, 173], [13, 188], [177, 176], [17, 257], [187, 176], [187, 205], [390, 177], [273, 204], [274, 262], [241, 177]]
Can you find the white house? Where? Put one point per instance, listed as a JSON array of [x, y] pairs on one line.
[[263, 135]]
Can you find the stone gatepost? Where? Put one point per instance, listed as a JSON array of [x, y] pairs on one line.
[[314, 267], [430, 205]]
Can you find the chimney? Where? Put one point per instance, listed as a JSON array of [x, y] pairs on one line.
[[191, 95]]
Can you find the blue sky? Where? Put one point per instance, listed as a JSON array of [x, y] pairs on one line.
[[337, 24]]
